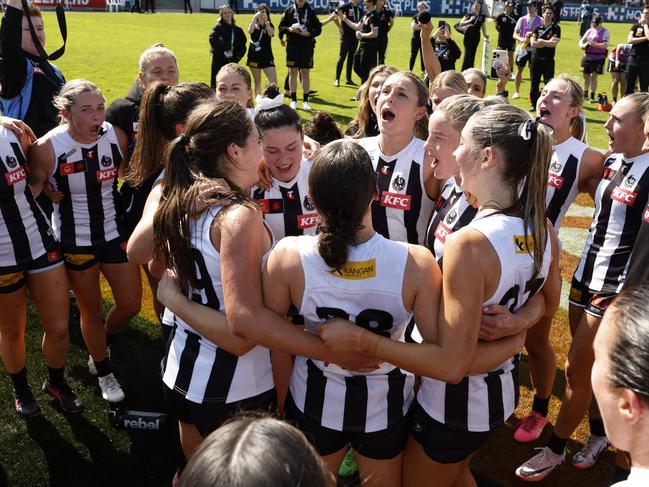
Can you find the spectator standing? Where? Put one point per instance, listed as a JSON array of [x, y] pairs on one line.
[[544, 43], [367, 32], [227, 41], [519, 7], [523, 33], [557, 5], [260, 52], [595, 45], [149, 4], [446, 50], [187, 4], [353, 11], [638, 65], [584, 17], [473, 22], [617, 61], [301, 26], [386, 21], [505, 25], [415, 41]]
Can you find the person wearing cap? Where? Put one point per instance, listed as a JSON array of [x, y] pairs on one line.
[[544, 42], [584, 17], [523, 34], [505, 25], [595, 45]]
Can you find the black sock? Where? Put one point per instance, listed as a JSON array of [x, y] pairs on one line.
[[19, 381], [103, 367], [557, 445], [541, 405], [55, 376], [110, 339], [620, 474], [596, 427], [592, 95], [294, 97], [306, 97], [614, 99]]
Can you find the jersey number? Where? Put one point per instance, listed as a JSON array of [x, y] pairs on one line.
[[531, 288], [204, 283], [374, 320]]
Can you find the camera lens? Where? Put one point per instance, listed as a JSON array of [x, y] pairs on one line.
[[424, 17]]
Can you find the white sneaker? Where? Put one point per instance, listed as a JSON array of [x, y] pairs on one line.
[[91, 363], [111, 391], [540, 465], [515, 96], [293, 105], [305, 106], [587, 456]]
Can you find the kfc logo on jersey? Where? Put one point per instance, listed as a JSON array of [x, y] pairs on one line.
[[442, 232], [399, 183], [623, 196], [106, 161], [16, 176], [555, 167], [398, 201], [308, 204], [307, 221], [11, 162], [106, 174], [555, 181], [451, 217]]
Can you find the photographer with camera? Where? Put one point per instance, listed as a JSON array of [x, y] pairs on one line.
[[353, 11], [415, 42], [301, 26], [227, 41], [446, 50], [260, 52], [29, 81]]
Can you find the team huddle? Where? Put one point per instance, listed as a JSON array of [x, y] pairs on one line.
[[375, 291]]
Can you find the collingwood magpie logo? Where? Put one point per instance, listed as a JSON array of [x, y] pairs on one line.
[[106, 161], [11, 162], [555, 167], [399, 183], [451, 217], [629, 182], [308, 205]]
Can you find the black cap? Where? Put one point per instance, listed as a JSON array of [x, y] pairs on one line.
[[530, 2], [597, 19]]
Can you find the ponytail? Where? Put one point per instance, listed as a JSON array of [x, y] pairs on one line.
[[195, 156], [342, 184], [162, 108]]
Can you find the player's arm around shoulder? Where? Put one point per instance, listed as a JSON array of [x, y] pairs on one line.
[[283, 276], [422, 290]]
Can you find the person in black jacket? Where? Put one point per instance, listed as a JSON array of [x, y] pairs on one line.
[[367, 32], [473, 21], [301, 26], [29, 83], [446, 50], [227, 41], [386, 21], [348, 42], [415, 41]]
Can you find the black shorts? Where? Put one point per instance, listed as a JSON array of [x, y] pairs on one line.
[[522, 61], [612, 69], [507, 46], [82, 258], [443, 443], [590, 67], [593, 302], [299, 56], [209, 416], [378, 445], [13, 278], [259, 59]]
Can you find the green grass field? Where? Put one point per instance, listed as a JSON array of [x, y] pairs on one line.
[[86, 450]]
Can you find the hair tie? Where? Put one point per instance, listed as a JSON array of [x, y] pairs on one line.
[[264, 103], [183, 139], [528, 129]]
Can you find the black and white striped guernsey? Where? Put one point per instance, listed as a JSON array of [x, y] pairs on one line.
[[25, 234], [452, 213], [403, 208], [86, 174], [287, 208], [482, 402], [368, 292], [197, 367], [563, 179], [620, 200]]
